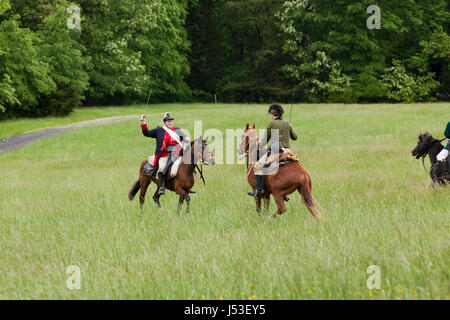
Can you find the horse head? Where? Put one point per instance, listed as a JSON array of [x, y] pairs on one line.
[[248, 138], [426, 140], [201, 151]]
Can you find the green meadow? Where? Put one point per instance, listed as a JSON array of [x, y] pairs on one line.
[[63, 202]]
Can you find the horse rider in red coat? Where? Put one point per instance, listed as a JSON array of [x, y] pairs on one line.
[[168, 145]]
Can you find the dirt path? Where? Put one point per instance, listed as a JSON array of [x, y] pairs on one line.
[[21, 140]]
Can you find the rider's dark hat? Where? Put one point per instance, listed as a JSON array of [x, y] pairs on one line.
[[447, 131], [167, 117], [276, 110]]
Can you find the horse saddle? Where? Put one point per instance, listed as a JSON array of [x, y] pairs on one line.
[[150, 170], [174, 168], [285, 158]]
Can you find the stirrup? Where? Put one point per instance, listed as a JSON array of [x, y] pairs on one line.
[[259, 194]]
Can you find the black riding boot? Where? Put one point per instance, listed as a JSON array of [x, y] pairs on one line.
[[259, 187], [161, 179]]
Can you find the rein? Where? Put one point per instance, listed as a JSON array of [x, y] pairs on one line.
[[201, 157], [201, 174], [247, 156], [423, 164]]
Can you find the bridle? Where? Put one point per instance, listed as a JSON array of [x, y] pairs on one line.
[[202, 157], [425, 154]]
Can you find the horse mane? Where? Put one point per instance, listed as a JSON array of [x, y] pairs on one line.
[[429, 139]]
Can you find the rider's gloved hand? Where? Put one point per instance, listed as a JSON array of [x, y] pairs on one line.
[[143, 120], [442, 155]]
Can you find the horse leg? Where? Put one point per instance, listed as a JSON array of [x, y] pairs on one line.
[[144, 182], [183, 193], [281, 207], [258, 204], [308, 200], [180, 204], [188, 202], [266, 201], [156, 198]]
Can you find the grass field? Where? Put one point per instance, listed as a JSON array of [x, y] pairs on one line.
[[63, 202]]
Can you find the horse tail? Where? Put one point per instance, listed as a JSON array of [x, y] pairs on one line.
[[309, 201], [305, 190], [134, 189]]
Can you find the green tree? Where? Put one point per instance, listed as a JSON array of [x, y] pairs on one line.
[[207, 54], [338, 29], [4, 5], [254, 56], [136, 46], [61, 49], [406, 88], [24, 76], [6, 89]]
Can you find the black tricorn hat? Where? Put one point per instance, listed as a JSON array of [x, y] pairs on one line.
[[276, 110], [167, 117]]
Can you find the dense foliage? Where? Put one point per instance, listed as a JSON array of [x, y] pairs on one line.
[[236, 50]]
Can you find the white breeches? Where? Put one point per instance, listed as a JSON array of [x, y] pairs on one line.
[[442, 155], [162, 162]]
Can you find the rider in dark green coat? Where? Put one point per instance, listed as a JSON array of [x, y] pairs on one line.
[[444, 153]]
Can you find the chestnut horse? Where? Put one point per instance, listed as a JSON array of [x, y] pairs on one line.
[[290, 177], [183, 182]]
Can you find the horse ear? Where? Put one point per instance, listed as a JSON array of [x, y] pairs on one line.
[[253, 126], [246, 127], [206, 139]]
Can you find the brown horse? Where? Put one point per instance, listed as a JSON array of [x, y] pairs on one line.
[[290, 177], [183, 182]]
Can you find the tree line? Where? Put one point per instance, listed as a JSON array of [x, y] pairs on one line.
[[234, 51]]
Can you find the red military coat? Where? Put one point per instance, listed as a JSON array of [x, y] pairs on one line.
[[163, 141]]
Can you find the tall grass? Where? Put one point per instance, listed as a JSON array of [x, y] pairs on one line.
[[63, 201]]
